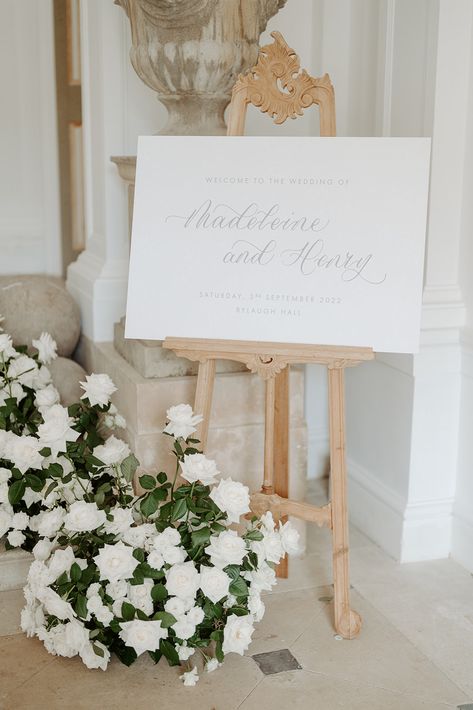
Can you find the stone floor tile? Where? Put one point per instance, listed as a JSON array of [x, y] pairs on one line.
[[21, 659], [302, 690], [67, 683], [286, 617], [380, 656]]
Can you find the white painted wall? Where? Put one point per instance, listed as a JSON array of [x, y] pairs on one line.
[[399, 68], [29, 196]]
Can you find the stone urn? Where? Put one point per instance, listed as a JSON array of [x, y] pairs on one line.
[[191, 51]]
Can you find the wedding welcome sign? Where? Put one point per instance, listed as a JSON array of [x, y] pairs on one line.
[[297, 240]]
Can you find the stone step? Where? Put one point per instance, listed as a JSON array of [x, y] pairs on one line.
[[14, 565]]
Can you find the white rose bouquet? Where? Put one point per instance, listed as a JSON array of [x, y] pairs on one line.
[[50, 455], [164, 574]]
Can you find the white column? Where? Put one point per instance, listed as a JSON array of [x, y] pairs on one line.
[[116, 108], [404, 410]]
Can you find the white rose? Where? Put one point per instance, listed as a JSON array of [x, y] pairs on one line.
[[92, 659], [23, 369], [214, 583], [262, 579], [30, 497], [30, 619], [227, 548], [38, 577], [113, 452], [19, 521], [77, 636], [142, 635], [42, 550], [122, 521], [190, 678], [46, 348], [182, 580], [268, 521], [46, 397], [54, 605], [184, 628], [169, 537], [140, 596], [256, 606], [104, 615], [237, 634], [174, 555], [196, 615], [56, 430], [42, 378], [155, 559], [197, 467], [269, 548], [182, 421], [16, 391], [61, 561], [98, 389], [117, 590], [84, 517], [6, 346], [289, 538], [4, 492], [16, 538], [23, 451], [5, 474], [232, 497], [5, 518], [229, 602], [137, 536], [212, 665], [116, 562], [175, 606], [184, 651]]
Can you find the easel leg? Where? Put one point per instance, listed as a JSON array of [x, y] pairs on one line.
[[347, 622], [203, 399], [281, 455]]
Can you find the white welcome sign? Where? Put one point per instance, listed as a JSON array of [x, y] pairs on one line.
[[298, 240]]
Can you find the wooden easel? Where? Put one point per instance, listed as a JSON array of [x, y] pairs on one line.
[[278, 65]]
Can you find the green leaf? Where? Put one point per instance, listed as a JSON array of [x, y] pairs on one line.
[[219, 652], [239, 588], [200, 537], [254, 535], [239, 611], [217, 527], [75, 572], [147, 482], [128, 611], [55, 470], [159, 494], [159, 593], [139, 554], [97, 650], [168, 650], [162, 478], [45, 451], [179, 509], [34, 482], [126, 654], [155, 655], [148, 505], [233, 571], [99, 498], [16, 491], [165, 618], [129, 466], [81, 606]]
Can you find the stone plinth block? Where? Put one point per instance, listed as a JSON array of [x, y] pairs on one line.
[[33, 304], [150, 359]]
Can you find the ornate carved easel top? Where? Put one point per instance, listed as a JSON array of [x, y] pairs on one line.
[[278, 86], [268, 359]]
